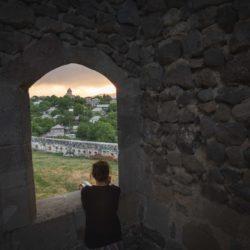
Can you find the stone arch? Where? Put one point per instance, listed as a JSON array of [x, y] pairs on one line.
[[17, 76]]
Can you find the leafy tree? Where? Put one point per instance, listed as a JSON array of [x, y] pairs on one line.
[[83, 131], [41, 126], [113, 107], [78, 109], [103, 132], [68, 118]]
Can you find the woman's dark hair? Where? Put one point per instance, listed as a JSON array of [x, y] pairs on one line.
[[100, 171]]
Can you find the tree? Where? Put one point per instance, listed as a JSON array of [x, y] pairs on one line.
[[103, 132], [41, 126], [68, 118], [83, 131], [113, 107], [78, 109]]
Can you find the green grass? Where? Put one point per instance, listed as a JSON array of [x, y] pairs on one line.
[[55, 174]]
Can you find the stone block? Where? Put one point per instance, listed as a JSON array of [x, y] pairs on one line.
[[235, 156], [206, 95], [128, 13], [13, 42], [152, 25], [150, 106], [168, 111], [214, 57], [147, 54], [223, 113], [78, 21], [154, 5], [168, 51], [215, 193], [47, 24], [187, 138], [208, 107], [106, 23], [46, 10], [174, 158], [241, 190], [118, 43], [186, 98], [134, 52], [181, 176], [62, 5], [207, 78], [216, 152], [213, 36], [152, 76], [247, 155], [186, 116], [192, 164], [214, 176], [231, 175], [169, 141], [231, 95], [192, 43], [16, 14], [243, 8], [226, 18], [205, 3], [172, 17], [207, 127], [199, 236], [179, 73], [241, 112], [203, 18], [223, 218], [241, 36], [170, 94], [231, 134], [236, 70]]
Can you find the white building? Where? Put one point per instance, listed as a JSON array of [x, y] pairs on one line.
[[56, 131], [104, 107], [46, 116], [93, 102], [95, 119]]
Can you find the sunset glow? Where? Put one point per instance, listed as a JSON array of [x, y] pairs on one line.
[[82, 80]]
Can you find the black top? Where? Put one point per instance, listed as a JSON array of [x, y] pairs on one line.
[[102, 223]]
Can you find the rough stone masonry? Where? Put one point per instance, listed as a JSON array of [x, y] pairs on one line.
[[182, 72]]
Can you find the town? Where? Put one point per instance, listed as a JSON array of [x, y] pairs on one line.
[[74, 117]]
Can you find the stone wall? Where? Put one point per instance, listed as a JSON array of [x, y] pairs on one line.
[[181, 68], [75, 147]]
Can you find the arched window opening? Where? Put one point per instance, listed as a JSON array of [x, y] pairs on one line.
[[72, 107]]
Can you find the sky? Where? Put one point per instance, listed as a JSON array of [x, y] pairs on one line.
[[82, 81]]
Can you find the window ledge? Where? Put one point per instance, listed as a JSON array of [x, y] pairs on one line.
[[58, 206]]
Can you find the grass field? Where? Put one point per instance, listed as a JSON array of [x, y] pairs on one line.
[[56, 174]]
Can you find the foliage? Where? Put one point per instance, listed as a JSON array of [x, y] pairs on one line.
[[41, 126], [104, 130]]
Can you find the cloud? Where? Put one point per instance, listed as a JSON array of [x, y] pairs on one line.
[[82, 80]]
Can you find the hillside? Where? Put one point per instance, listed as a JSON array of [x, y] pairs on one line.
[[90, 118]]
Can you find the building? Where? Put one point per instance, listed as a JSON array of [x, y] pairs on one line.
[[93, 102], [56, 131], [104, 107], [95, 119], [69, 93]]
